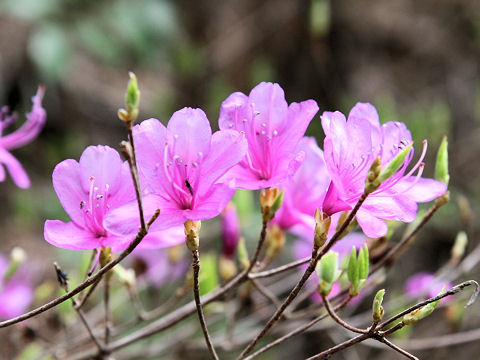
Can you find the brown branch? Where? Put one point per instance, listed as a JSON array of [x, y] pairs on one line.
[[395, 347], [338, 320], [280, 269], [198, 303], [311, 268]]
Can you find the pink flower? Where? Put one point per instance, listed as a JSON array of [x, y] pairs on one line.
[[20, 137], [306, 190], [16, 292], [273, 129], [230, 230], [88, 190], [425, 284], [180, 166], [351, 146]]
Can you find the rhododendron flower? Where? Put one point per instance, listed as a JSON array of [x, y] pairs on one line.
[[90, 189], [426, 285], [351, 146], [16, 293], [273, 129], [20, 137], [230, 230], [180, 165], [306, 190]]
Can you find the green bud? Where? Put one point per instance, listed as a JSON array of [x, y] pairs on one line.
[[392, 167], [352, 269], [132, 95], [105, 255], [278, 202], [372, 183], [327, 271], [377, 307], [322, 225], [423, 312], [363, 263], [441, 166]]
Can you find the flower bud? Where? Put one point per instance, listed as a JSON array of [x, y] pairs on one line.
[[377, 307], [17, 256], [270, 201], [357, 269], [419, 314], [230, 228], [227, 268], [192, 231], [322, 225], [105, 255], [394, 164], [327, 271], [275, 240], [441, 166], [372, 182]]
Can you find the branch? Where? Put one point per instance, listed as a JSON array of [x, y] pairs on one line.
[[338, 320]]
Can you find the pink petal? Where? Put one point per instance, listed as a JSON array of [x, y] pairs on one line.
[[393, 134], [233, 111], [124, 220], [423, 190], [365, 111], [103, 164], [212, 204], [70, 192], [333, 202], [391, 207], [70, 236], [163, 238], [229, 147], [372, 227], [18, 174], [191, 134], [268, 100]]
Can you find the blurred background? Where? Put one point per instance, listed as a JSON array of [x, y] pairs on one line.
[[416, 61]]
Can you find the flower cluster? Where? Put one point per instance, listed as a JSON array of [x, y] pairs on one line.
[[191, 173]]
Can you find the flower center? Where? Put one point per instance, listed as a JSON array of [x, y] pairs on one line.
[[95, 207]]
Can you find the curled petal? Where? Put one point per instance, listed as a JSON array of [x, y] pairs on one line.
[[18, 174]]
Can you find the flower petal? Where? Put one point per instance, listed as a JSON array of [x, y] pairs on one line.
[[191, 134], [18, 174], [372, 227], [212, 204], [420, 190], [69, 189], [70, 236]]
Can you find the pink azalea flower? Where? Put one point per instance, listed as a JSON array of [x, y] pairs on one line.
[[20, 137], [230, 227], [88, 190], [351, 146], [425, 284], [306, 190], [180, 165], [16, 293], [273, 129]]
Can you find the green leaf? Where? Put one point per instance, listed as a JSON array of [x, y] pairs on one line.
[[327, 268], [352, 270], [392, 167]]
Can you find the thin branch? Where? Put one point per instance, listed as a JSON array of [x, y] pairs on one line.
[[338, 320], [395, 347], [297, 331], [280, 269], [346, 344], [196, 292], [266, 292], [106, 301], [311, 268], [92, 288]]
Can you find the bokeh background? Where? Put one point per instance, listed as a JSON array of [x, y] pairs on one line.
[[416, 61]]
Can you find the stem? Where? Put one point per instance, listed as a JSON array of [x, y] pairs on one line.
[[196, 292], [261, 241], [311, 268], [106, 301], [297, 331], [266, 292], [337, 319], [280, 269], [395, 347], [81, 315], [346, 344]]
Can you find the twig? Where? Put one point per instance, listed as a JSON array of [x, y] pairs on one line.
[[280, 269], [297, 331], [196, 292], [92, 288], [337, 319], [395, 347], [265, 292], [106, 301], [311, 268]]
